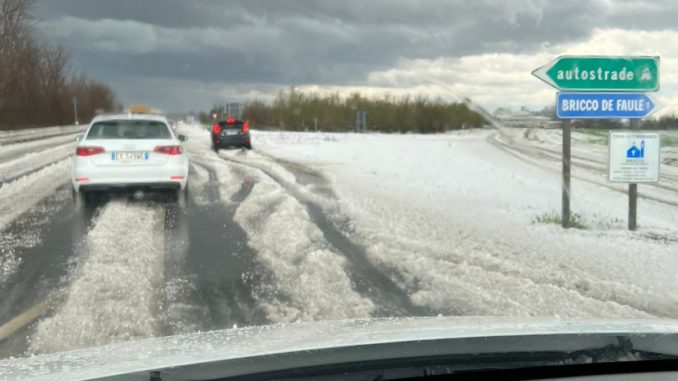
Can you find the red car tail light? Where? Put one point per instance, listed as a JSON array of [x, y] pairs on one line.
[[230, 121], [246, 127], [216, 128], [168, 150], [89, 151]]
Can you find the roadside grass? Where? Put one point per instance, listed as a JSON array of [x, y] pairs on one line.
[[669, 139], [595, 135], [553, 217], [601, 136], [598, 136]]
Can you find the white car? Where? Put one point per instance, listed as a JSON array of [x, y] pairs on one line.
[[129, 151]]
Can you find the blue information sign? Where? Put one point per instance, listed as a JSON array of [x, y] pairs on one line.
[[603, 105]]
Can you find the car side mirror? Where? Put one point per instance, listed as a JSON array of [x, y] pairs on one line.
[[78, 137], [183, 138]]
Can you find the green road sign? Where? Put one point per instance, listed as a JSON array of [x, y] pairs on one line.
[[600, 73]]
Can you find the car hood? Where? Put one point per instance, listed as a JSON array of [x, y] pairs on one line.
[[205, 353]]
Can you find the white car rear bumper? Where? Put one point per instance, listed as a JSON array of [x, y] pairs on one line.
[[172, 174]]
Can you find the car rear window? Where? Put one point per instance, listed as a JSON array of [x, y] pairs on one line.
[[129, 129]]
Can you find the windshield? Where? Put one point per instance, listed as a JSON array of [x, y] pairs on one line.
[[322, 161], [125, 129]]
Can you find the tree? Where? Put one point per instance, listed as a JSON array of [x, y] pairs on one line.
[[35, 88], [295, 110]]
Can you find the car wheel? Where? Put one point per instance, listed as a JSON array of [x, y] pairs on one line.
[[248, 146], [75, 195], [81, 198], [181, 197]]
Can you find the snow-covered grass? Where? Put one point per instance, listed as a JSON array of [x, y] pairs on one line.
[[34, 160], [114, 292], [542, 148], [453, 215], [10, 136], [554, 217], [34, 152], [594, 141], [18, 196], [601, 136], [17, 159]]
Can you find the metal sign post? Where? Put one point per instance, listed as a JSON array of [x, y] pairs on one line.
[[633, 205], [633, 189], [567, 140], [634, 157], [607, 87]]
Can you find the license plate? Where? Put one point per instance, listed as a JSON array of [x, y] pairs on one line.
[[129, 156], [231, 132]]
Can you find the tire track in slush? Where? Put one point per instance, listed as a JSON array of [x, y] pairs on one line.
[[112, 293], [307, 178], [368, 281], [45, 240], [213, 280]]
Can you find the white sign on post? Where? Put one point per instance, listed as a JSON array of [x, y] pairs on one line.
[[633, 157]]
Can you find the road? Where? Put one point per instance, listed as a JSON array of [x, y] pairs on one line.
[[265, 240], [126, 268]]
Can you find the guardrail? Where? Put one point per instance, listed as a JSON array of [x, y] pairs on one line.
[[31, 134]]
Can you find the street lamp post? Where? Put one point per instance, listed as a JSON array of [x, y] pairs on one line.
[[75, 110]]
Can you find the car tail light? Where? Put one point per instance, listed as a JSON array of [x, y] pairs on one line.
[[89, 151], [176, 177], [246, 127], [168, 150], [230, 121], [82, 180], [216, 128]]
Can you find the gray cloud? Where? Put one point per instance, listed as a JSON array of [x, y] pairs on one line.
[[287, 42]]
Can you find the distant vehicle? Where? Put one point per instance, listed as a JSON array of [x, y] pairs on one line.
[[129, 151], [231, 133], [139, 109]]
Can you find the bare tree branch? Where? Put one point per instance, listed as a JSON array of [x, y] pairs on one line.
[[34, 85]]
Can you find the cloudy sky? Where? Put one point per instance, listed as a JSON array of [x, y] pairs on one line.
[[181, 55]]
